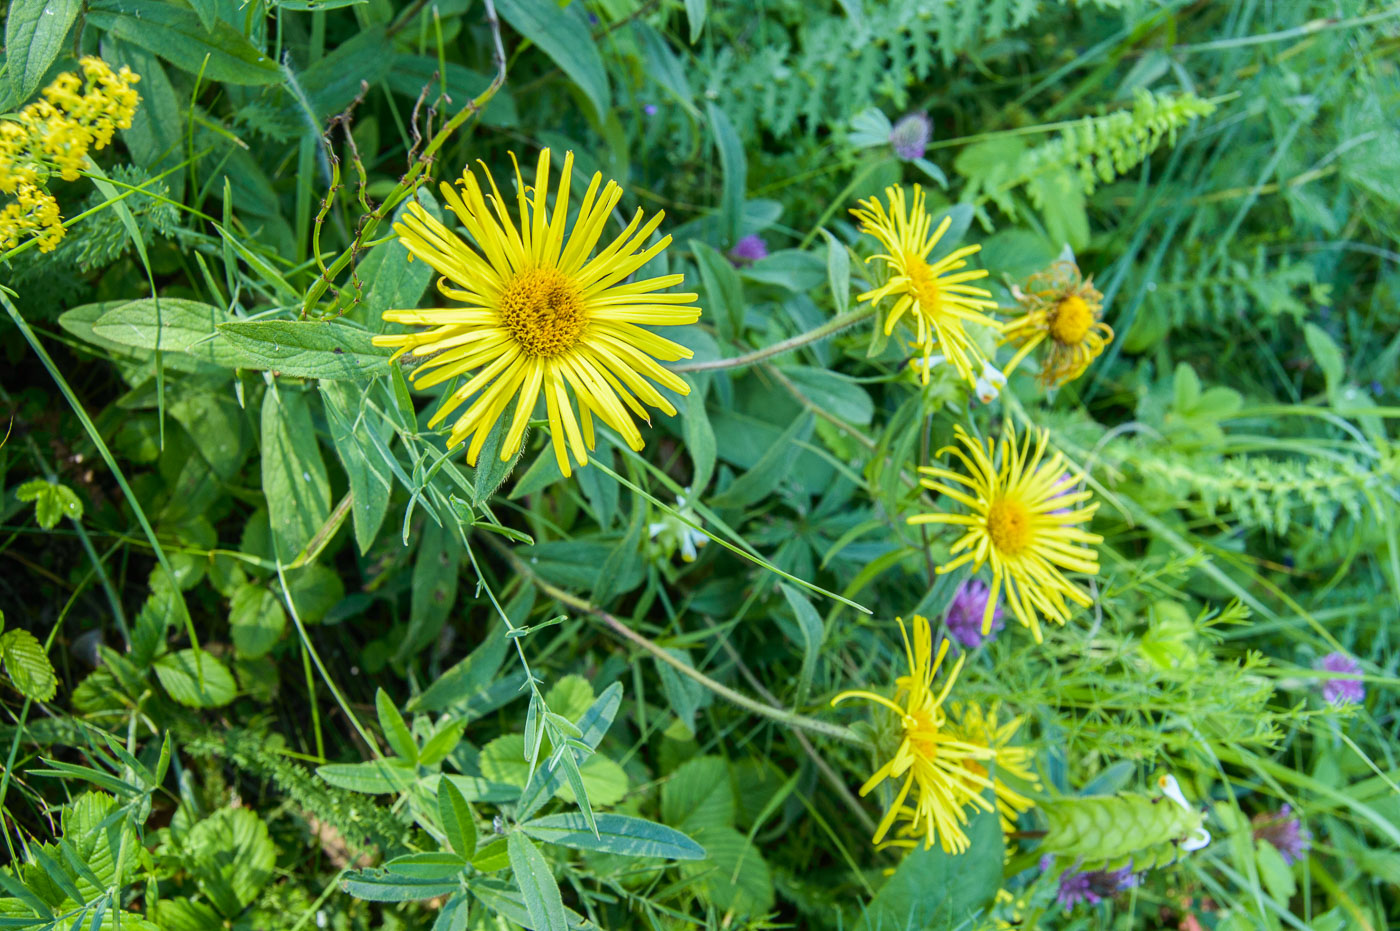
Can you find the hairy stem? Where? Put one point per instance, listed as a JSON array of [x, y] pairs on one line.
[[830, 328]]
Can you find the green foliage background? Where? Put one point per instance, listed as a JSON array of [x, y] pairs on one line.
[[264, 637]]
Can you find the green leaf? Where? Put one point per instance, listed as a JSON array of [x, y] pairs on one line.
[[699, 440], [440, 745], [1327, 354], [838, 272], [938, 890], [172, 30], [371, 777], [734, 171], [723, 291], [592, 726], [396, 732], [770, 469], [196, 679], [382, 885], [231, 858], [171, 325], [431, 864], [467, 678], [492, 856], [813, 633], [695, 11], [491, 470], [537, 885], [433, 590], [456, 816], [698, 795], [371, 479], [28, 665], [620, 834], [565, 36], [308, 348], [34, 34], [294, 478], [256, 620], [52, 501], [834, 393], [453, 916], [733, 875]]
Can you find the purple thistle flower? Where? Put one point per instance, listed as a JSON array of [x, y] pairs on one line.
[[1341, 691], [1093, 886], [1282, 829], [910, 136], [748, 250], [965, 615]]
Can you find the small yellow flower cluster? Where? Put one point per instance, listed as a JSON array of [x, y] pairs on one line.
[[55, 133]]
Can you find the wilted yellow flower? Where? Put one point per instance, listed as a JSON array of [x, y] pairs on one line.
[[1064, 310], [1024, 517], [56, 132], [540, 316], [936, 298], [932, 760]]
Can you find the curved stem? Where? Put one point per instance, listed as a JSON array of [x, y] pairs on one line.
[[617, 627], [830, 328]]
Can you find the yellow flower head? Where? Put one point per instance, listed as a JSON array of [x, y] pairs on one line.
[[1024, 518], [540, 313], [931, 762], [1065, 311], [936, 298], [977, 726], [56, 132]]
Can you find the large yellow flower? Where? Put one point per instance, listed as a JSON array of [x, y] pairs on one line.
[[1024, 517], [936, 298], [932, 760], [541, 314], [1064, 311]]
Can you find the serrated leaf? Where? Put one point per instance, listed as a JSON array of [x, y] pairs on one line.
[[537, 885], [28, 665], [52, 502], [620, 834], [231, 858], [698, 795], [196, 679], [308, 348]]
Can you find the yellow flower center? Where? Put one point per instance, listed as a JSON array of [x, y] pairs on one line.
[[1070, 320], [1009, 526], [543, 310], [923, 284], [922, 728]]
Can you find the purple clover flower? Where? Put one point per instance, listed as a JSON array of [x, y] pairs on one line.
[[1341, 691], [1093, 886], [965, 615], [748, 250], [910, 136], [1282, 829]]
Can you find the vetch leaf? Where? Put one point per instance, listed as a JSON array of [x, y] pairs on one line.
[[382, 885], [620, 834], [431, 864], [396, 732], [456, 816]]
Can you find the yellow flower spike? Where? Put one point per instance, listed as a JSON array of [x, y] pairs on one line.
[[1024, 517], [933, 762], [1064, 311], [542, 314], [935, 298]]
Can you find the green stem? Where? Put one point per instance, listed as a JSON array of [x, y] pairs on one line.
[[840, 199], [781, 715], [830, 328]]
